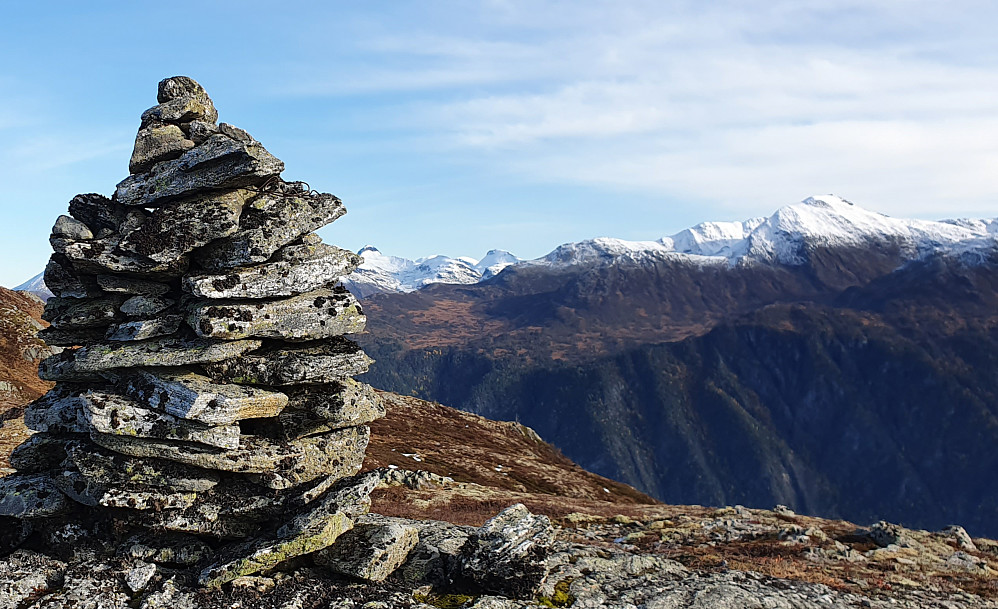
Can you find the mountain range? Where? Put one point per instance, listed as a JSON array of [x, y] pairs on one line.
[[827, 357]]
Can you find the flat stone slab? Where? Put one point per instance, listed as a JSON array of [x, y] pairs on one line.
[[278, 278], [157, 143], [277, 465], [107, 413], [217, 164], [265, 554], [188, 395], [26, 496], [320, 363], [86, 492], [350, 496], [311, 316], [58, 411], [142, 305], [75, 313], [235, 509], [71, 338], [142, 329], [65, 282], [320, 408], [62, 367], [168, 351], [102, 256], [114, 469], [129, 285], [269, 222], [180, 227], [372, 550]]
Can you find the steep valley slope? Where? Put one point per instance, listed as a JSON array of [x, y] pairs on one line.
[[855, 385]]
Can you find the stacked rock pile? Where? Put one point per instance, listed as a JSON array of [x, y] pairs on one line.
[[204, 395]]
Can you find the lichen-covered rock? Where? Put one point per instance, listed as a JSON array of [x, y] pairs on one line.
[[25, 575], [315, 315], [269, 222], [183, 226], [277, 278], [372, 550], [266, 554], [71, 228], [130, 285], [41, 452], [142, 329], [58, 410], [506, 555], [189, 395], [320, 408], [27, 496], [350, 496], [217, 164], [112, 469], [111, 414], [277, 465], [179, 110], [102, 255], [143, 305], [168, 351], [59, 337], [92, 493], [312, 363], [167, 549], [99, 213], [156, 143], [73, 313], [61, 366], [435, 559], [64, 282]]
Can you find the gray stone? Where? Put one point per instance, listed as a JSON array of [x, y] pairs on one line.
[[62, 367], [276, 465], [279, 278], [372, 550], [269, 222], [311, 316], [74, 313], [885, 534], [176, 87], [112, 469], [128, 285], [168, 351], [145, 306], [236, 133], [219, 163], [157, 143], [111, 414], [90, 493], [188, 395], [88, 586], [961, 537], [200, 131], [25, 575], [144, 328], [318, 409], [70, 338], [27, 496], [170, 596], [435, 557], [139, 576], [180, 110], [310, 364], [58, 411], [506, 555], [265, 554], [98, 212], [64, 282], [71, 228], [168, 549], [40, 452], [102, 256], [350, 496], [183, 226]]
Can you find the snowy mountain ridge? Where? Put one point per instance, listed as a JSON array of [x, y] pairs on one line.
[[823, 220]]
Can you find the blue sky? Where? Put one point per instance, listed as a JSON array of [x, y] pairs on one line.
[[456, 127]]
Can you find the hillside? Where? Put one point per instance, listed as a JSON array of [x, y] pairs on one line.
[[816, 385]]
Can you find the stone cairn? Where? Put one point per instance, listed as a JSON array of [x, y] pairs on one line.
[[204, 407]]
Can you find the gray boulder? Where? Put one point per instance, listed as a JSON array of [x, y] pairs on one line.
[[312, 363]]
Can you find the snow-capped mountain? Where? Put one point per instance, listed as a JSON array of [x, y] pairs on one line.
[[36, 286], [382, 273], [824, 220]]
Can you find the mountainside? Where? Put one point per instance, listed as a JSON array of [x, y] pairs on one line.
[[846, 377]]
